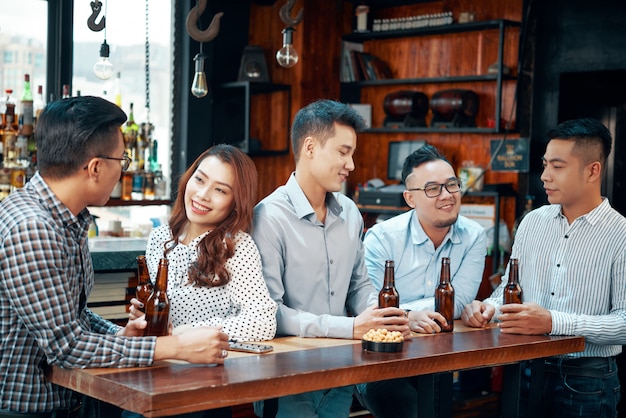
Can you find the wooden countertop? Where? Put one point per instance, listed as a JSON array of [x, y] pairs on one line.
[[300, 365]]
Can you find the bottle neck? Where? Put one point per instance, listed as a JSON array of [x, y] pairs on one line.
[[389, 279], [161, 280], [514, 272], [444, 277]]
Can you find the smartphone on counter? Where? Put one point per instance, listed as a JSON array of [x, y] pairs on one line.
[[250, 347]]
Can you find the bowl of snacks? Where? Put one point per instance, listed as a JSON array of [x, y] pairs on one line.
[[382, 340]]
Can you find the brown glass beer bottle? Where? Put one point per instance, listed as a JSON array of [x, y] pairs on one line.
[[513, 290], [388, 295], [444, 296], [158, 304], [144, 285]]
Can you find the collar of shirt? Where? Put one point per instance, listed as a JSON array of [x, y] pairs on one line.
[[595, 216], [419, 237], [56, 207], [301, 204]]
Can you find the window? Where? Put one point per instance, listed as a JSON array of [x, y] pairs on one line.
[[23, 33], [126, 37]]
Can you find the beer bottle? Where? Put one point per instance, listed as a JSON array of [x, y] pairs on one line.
[[158, 304], [513, 290], [144, 285], [444, 296], [388, 295]]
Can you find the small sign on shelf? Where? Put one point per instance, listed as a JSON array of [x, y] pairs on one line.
[[510, 155]]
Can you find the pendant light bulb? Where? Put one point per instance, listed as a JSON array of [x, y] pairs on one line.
[[103, 69], [199, 86], [287, 56]]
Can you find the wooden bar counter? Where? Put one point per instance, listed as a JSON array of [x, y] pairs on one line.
[[303, 364]]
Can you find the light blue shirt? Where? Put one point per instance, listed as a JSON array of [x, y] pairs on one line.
[[418, 264], [577, 272], [314, 271]]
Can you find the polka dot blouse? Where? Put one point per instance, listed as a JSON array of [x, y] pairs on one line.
[[243, 306]]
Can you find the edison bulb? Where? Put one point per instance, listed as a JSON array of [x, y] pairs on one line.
[[199, 86], [103, 69], [287, 56]]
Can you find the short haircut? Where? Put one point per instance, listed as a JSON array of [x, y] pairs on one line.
[[420, 156], [318, 118], [73, 130], [592, 139]]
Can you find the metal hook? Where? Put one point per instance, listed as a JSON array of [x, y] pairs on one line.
[[284, 14], [192, 24], [96, 7]]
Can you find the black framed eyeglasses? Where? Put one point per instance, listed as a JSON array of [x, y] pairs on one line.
[[435, 189], [124, 161]]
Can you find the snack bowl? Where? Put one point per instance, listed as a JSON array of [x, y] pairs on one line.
[[382, 347]]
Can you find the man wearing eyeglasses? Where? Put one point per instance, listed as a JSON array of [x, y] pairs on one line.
[[417, 240], [46, 272]]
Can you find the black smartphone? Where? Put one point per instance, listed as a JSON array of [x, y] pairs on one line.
[[250, 347]]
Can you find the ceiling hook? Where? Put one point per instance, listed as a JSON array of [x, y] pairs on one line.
[[284, 14], [96, 7], [192, 24]]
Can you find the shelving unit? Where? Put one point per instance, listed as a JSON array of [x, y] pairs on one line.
[[352, 91], [233, 112]]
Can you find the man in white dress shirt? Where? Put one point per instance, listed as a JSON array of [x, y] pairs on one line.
[[572, 269]]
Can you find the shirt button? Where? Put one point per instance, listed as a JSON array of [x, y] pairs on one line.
[[332, 293], [566, 236], [332, 261], [558, 265]]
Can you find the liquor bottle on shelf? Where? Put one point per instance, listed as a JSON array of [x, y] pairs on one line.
[[9, 135], [148, 186], [513, 291], [8, 101], [160, 184], [66, 91], [144, 285], [38, 103], [138, 185], [118, 90], [388, 295], [158, 305], [26, 108], [131, 131], [127, 185], [444, 296]]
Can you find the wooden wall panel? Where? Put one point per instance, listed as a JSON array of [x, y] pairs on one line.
[[318, 41]]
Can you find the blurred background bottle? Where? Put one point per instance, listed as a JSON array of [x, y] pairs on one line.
[[38, 102], [118, 90], [26, 108]]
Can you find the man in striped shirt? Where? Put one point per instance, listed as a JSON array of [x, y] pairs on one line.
[[572, 268]]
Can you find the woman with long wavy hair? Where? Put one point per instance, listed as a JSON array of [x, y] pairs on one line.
[[215, 275]]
